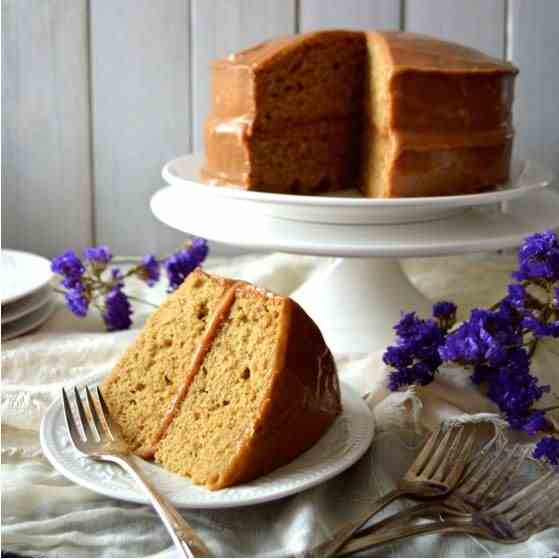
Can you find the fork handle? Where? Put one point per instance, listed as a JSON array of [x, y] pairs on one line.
[[361, 543], [183, 536], [333, 544], [406, 516]]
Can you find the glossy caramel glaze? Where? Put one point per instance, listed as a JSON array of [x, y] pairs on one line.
[[441, 98], [303, 401], [236, 80]]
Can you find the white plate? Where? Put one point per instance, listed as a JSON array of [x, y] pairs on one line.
[[349, 207], [25, 305], [475, 230], [344, 443], [22, 274], [28, 323]]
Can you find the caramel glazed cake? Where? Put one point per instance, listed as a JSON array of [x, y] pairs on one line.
[[396, 114], [226, 382]]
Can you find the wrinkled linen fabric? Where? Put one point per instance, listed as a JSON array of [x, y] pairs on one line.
[[44, 514]]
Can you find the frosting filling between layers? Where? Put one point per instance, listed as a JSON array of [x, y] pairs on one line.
[[205, 344]]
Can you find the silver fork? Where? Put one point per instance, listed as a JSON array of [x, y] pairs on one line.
[[484, 482], [515, 519], [103, 441], [434, 473]]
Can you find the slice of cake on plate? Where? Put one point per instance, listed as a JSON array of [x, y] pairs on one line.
[[226, 382]]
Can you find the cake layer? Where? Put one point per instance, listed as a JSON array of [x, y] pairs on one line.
[[266, 391], [402, 166], [302, 159], [150, 374], [419, 84], [291, 81]]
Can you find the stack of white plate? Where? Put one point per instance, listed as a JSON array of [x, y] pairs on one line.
[[25, 292]]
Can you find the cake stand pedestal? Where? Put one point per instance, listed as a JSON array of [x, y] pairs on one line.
[[357, 300]]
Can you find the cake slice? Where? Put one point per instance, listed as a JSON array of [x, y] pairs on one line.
[[253, 383]]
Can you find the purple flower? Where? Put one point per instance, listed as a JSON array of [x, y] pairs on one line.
[[515, 390], [70, 267], [483, 337], [149, 270], [199, 250], [548, 448], [444, 309], [98, 255], [181, 263], [77, 301], [178, 266], [416, 355], [117, 309], [541, 329], [530, 422], [397, 357], [538, 258], [516, 295], [419, 373]]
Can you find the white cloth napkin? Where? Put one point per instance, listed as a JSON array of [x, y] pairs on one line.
[[45, 514]]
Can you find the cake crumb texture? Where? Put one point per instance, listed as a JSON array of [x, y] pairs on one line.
[[148, 376]]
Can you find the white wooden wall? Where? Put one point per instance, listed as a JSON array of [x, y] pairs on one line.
[[98, 94]]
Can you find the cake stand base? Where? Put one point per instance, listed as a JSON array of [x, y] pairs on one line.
[[356, 302]]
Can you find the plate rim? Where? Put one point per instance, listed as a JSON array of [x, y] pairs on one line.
[[463, 200], [42, 301], [47, 310], [137, 497], [348, 248], [13, 298]]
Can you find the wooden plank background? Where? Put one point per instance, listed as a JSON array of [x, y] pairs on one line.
[[97, 95]]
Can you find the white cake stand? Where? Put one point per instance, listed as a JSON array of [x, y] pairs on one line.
[[357, 297]]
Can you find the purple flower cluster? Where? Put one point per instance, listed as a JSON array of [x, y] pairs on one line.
[[180, 264], [416, 357], [118, 311], [149, 270], [538, 258], [496, 344], [85, 282], [72, 270], [100, 255], [548, 448], [70, 267], [484, 337]]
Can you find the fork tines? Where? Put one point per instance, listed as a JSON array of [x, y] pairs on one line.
[[450, 454], [91, 423], [530, 510]]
